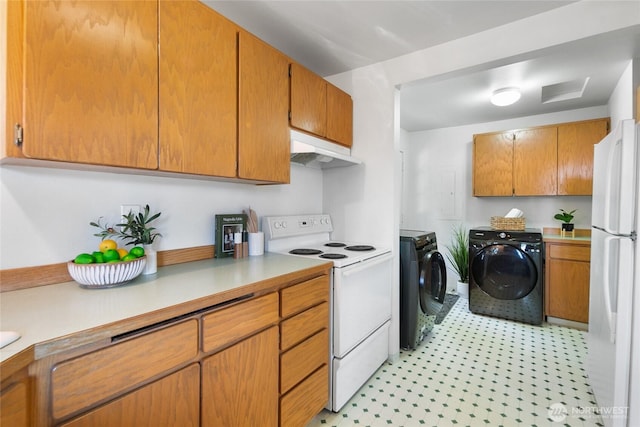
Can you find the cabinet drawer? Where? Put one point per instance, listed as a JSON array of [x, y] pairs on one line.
[[304, 295], [230, 324], [302, 326], [572, 252], [172, 400], [303, 359], [81, 382], [306, 400]]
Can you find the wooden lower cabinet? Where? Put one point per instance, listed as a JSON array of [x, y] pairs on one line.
[[304, 346], [221, 366], [170, 401], [567, 278], [14, 404], [240, 384]]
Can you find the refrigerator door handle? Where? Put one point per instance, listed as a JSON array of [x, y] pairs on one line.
[[611, 172], [609, 308]]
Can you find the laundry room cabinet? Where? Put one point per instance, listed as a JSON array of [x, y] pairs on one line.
[[567, 280], [540, 161]]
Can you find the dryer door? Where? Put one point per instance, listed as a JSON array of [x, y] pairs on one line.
[[433, 282], [504, 271]]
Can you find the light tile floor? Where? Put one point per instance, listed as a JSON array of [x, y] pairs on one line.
[[476, 370]]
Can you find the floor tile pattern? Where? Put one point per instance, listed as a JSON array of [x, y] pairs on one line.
[[474, 370]]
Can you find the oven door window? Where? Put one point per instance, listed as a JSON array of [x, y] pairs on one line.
[[433, 283], [504, 272]]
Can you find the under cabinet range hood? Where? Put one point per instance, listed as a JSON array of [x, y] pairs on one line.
[[318, 153]]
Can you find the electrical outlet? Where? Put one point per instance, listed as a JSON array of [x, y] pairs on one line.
[[125, 209]]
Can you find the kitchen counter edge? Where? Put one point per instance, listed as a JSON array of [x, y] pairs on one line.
[[59, 317]]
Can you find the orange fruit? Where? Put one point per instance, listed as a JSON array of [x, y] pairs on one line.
[[111, 255], [122, 252], [105, 245]]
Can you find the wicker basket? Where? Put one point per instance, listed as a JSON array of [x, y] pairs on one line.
[[502, 223]]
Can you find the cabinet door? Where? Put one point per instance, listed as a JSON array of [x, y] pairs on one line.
[[308, 101], [567, 278], [198, 98], [493, 164], [170, 401], [535, 162], [568, 290], [339, 116], [240, 384], [14, 404], [575, 155], [263, 126], [91, 82]]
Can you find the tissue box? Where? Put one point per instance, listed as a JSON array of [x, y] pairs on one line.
[[503, 223]]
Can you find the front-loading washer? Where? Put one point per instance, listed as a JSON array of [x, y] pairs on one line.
[[423, 285], [505, 274]]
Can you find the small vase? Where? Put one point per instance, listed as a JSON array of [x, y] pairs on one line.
[[463, 290], [152, 260]]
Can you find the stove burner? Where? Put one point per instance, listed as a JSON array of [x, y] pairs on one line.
[[305, 252], [360, 248], [335, 244], [332, 256]]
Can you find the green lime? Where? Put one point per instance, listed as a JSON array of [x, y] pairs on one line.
[[137, 251], [111, 255], [98, 256], [112, 261], [128, 257], [84, 259]]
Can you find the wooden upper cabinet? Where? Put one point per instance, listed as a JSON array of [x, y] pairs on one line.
[[493, 164], [540, 161], [320, 108], [91, 82], [339, 116], [308, 100], [198, 97], [263, 129], [535, 162], [575, 155]]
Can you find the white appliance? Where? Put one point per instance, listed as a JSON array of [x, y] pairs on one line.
[[613, 344], [361, 283], [318, 153]]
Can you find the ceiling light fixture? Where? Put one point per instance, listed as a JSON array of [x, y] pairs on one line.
[[505, 96]]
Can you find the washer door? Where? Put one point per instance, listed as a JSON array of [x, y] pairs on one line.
[[504, 272], [433, 282]]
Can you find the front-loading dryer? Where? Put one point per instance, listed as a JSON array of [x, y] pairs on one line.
[[505, 274], [423, 285]]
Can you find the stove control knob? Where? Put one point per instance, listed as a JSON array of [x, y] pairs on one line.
[[276, 225], [502, 235], [284, 224]]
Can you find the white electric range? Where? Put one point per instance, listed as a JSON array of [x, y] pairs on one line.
[[361, 284]]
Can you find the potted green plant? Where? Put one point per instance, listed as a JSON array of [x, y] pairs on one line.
[[459, 258], [566, 218], [135, 229]]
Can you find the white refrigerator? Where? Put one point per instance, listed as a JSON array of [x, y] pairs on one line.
[[613, 339]]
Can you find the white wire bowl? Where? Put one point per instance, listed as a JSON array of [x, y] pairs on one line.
[[96, 276]]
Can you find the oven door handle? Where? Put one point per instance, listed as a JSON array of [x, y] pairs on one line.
[[352, 269]]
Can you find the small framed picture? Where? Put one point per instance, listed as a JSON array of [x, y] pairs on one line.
[[226, 228]]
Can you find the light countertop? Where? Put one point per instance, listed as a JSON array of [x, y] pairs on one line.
[[45, 314]]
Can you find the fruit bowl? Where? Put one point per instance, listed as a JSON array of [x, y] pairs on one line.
[[106, 275]]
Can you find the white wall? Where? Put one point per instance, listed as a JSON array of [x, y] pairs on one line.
[[45, 213], [438, 182]]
